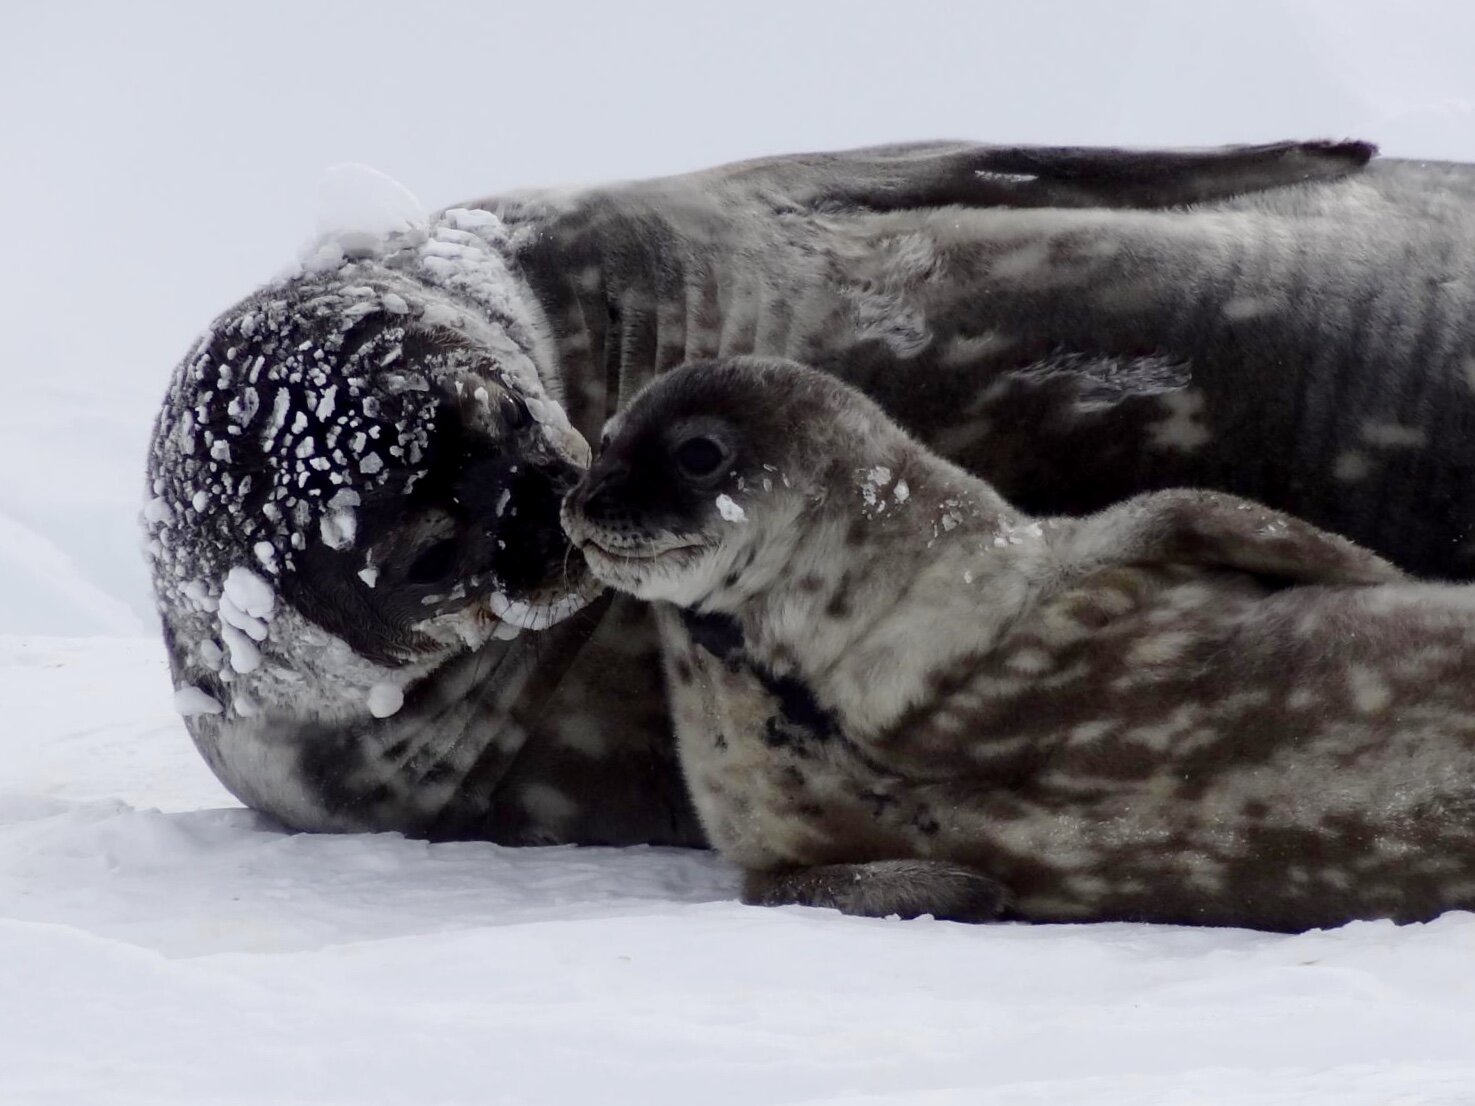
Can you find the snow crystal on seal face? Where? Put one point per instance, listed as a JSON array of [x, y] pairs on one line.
[[730, 510], [385, 700], [871, 482], [249, 593], [190, 701]]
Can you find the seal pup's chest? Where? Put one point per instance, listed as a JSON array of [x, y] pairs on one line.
[[772, 776], [777, 779]]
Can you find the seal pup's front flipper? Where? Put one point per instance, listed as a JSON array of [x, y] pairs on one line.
[[880, 888], [933, 174], [1223, 531]]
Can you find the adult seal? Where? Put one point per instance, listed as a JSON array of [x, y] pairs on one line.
[[896, 693], [1289, 322]]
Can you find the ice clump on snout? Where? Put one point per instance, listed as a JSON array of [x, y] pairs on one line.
[[339, 526], [249, 593], [385, 700], [246, 605], [190, 701], [730, 510]]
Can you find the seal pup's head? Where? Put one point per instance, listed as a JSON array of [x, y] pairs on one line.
[[720, 478], [357, 472]]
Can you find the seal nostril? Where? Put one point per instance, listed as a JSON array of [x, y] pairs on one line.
[[600, 498]]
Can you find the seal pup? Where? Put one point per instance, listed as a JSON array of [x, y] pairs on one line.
[[895, 693], [1287, 321]]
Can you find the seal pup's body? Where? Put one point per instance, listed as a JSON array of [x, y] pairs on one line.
[[896, 693]]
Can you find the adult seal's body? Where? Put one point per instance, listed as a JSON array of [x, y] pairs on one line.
[[895, 693], [1286, 322]]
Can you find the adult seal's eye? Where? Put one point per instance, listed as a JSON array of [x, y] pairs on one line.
[[515, 412], [700, 456], [433, 564]]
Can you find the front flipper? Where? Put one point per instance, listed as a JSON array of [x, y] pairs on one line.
[[881, 888], [887, 178], [1223, 531], [1083, 176]]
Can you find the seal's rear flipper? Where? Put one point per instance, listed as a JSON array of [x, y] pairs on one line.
[[888, 178], [1224, 531], [881, 888]]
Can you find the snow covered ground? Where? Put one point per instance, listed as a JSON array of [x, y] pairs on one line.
[[161, 945]]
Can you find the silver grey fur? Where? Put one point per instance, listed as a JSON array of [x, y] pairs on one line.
[[1082, 325], [895, 693]]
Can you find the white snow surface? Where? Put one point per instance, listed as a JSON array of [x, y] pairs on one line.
[[161, 945]]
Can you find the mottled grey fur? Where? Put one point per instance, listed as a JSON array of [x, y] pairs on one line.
[[895, 693], [1081, 325]]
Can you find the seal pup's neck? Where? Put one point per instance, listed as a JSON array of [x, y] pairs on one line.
[[769, 494], [911, 566]]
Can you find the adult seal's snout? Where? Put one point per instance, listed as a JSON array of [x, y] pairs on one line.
[[531, 546]]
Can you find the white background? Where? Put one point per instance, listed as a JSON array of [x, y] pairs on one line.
[[161, 159], [159, 945]]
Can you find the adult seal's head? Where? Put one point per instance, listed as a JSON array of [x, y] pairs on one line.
[[699, 489], [356, 472]]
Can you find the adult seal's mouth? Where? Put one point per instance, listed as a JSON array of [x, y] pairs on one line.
[[539, 614]]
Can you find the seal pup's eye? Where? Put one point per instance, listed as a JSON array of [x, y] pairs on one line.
[[700, 456], [433, 563]]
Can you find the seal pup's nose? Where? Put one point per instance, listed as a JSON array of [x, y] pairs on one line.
[[598, 496]]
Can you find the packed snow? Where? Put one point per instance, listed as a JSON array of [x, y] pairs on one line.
[[163, 945]]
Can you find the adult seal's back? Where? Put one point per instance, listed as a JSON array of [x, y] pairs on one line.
[[373, 619]]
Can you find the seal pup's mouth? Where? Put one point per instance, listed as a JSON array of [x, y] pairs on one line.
[[638, 553], [629, 567], [665, 552]]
